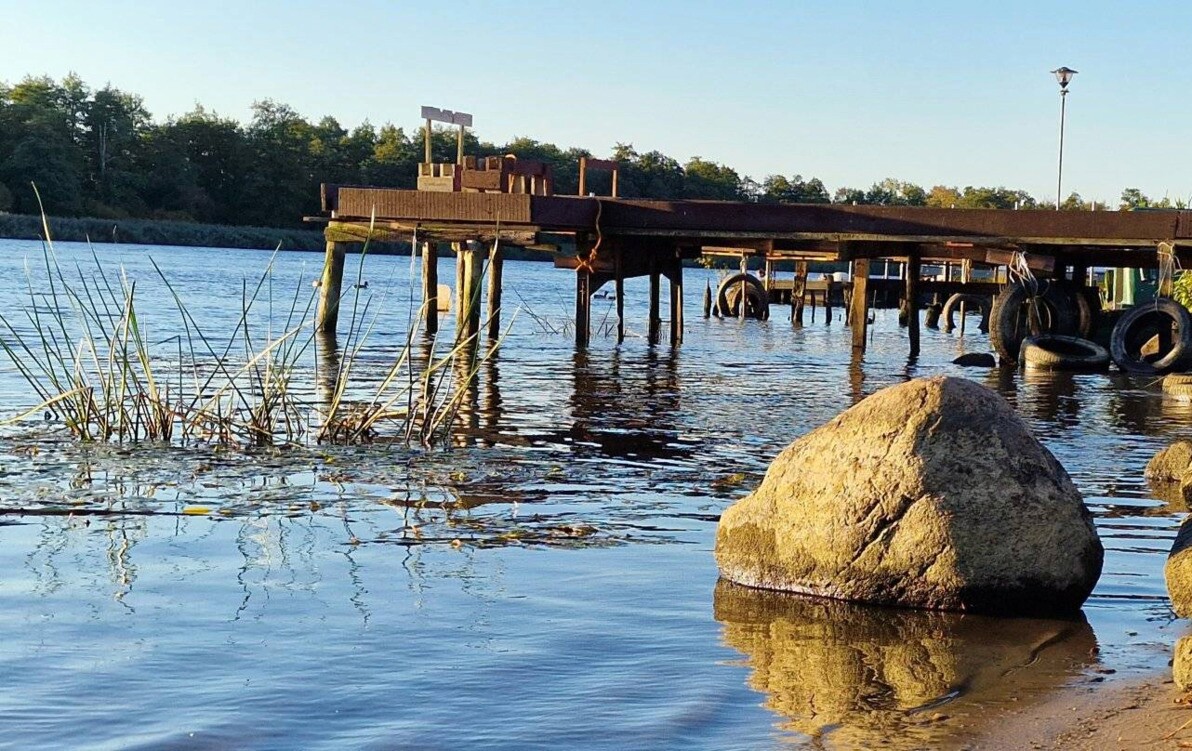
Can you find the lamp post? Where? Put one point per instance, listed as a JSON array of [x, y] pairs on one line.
[[1064, 76]]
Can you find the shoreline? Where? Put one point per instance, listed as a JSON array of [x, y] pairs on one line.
[[1138, 712]]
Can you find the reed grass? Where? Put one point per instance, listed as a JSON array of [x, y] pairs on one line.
[[83, 350]]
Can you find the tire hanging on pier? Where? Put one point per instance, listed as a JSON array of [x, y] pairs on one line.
[[1165, 319], [1058, 352], [757, 299], [971, 302], [1087, 303], [1018, 314]]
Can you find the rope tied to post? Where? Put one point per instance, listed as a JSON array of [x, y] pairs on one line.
[[1019, 272], [1169, 264], [585, 264]]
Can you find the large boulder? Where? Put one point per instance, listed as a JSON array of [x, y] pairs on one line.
[[1178, 571], [1181, 663], [929, 494]]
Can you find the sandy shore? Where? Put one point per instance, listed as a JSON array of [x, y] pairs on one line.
[[1144, 714]]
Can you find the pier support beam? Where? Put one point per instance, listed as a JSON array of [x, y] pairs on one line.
[[430, 286], [655, 292], [913, 270], [619, 281], [676, 303], [496, 265], [829, 288], [799, 293], [860, 314], [330, 288], [583, 307], [467, 314]]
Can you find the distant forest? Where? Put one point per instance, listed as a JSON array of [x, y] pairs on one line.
[[99, 153]]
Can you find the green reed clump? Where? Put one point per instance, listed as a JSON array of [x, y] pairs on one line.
[[83, 350]]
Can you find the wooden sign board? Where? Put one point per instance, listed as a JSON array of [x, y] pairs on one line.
[[447, 116]]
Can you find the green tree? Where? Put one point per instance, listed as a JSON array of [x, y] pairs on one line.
[[709, 180], [779, 189]]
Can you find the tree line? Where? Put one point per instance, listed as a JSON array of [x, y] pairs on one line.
[[99, 153]]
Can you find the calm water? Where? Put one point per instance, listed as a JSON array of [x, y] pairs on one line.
[[547, 584]]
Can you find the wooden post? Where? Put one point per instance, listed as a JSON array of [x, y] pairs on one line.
[[460, 307], [655, 319], [707, 299], [583, 176], [468, 313], [330, 287], [583, 307], [676, 303], [913, 270], [620, 292], [860, 314], [427, 160], [829, 285], [800, 288], [430, 286], [496, 265], [744, 297], [768, 270]]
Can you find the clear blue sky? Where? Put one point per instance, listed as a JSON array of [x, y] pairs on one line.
[[850, 92]]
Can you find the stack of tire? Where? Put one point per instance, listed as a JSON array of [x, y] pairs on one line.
[[1050, 330], [1047, 330]]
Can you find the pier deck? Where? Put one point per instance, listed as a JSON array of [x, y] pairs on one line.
[[606, 239]]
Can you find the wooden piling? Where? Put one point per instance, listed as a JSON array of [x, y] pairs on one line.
[[583, 307], [676, 303], [496, 265], [619, 281], [800, 288], [330, 287], [655, 292], [707, 299], [743, 306], [860, 314], [472, 271], [829, 285], [913, 271], [430, 286]]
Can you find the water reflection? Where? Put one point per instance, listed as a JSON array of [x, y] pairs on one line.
[[854, 676], [1050, 396]]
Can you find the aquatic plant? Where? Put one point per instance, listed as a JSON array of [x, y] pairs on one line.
[[84, 352]]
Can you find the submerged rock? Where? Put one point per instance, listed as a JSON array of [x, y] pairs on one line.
[[1170, 464], [976, 360], [929, 494], [1178, 571]]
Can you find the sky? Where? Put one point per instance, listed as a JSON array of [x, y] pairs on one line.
[[850, 92]]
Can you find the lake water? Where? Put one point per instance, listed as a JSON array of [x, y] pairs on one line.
[[549, 582]]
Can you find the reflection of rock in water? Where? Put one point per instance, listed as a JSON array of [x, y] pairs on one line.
[[857, 676]]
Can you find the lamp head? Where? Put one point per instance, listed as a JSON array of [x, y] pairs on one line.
[[1064, 76]]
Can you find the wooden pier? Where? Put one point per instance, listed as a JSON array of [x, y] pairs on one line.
[[606, 240]]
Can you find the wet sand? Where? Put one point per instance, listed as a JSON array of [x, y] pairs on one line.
[[1149, 713]]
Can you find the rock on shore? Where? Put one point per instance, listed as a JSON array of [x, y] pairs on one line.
[[929, 494]]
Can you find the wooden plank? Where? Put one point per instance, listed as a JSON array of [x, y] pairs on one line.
[[426, 206], [480, 179], [1035, 261], [913, 271]]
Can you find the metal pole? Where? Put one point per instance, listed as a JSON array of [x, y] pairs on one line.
[[1060, 177]]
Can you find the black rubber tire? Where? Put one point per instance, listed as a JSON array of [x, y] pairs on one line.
[[729, 290], [1087, 303], [978, 302], [1009, 323], [1059, 352], [1139, 324]]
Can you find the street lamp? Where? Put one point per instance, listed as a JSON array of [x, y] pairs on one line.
[[1064, 76]]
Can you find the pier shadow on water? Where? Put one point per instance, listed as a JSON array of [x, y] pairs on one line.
[[850, 676]]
